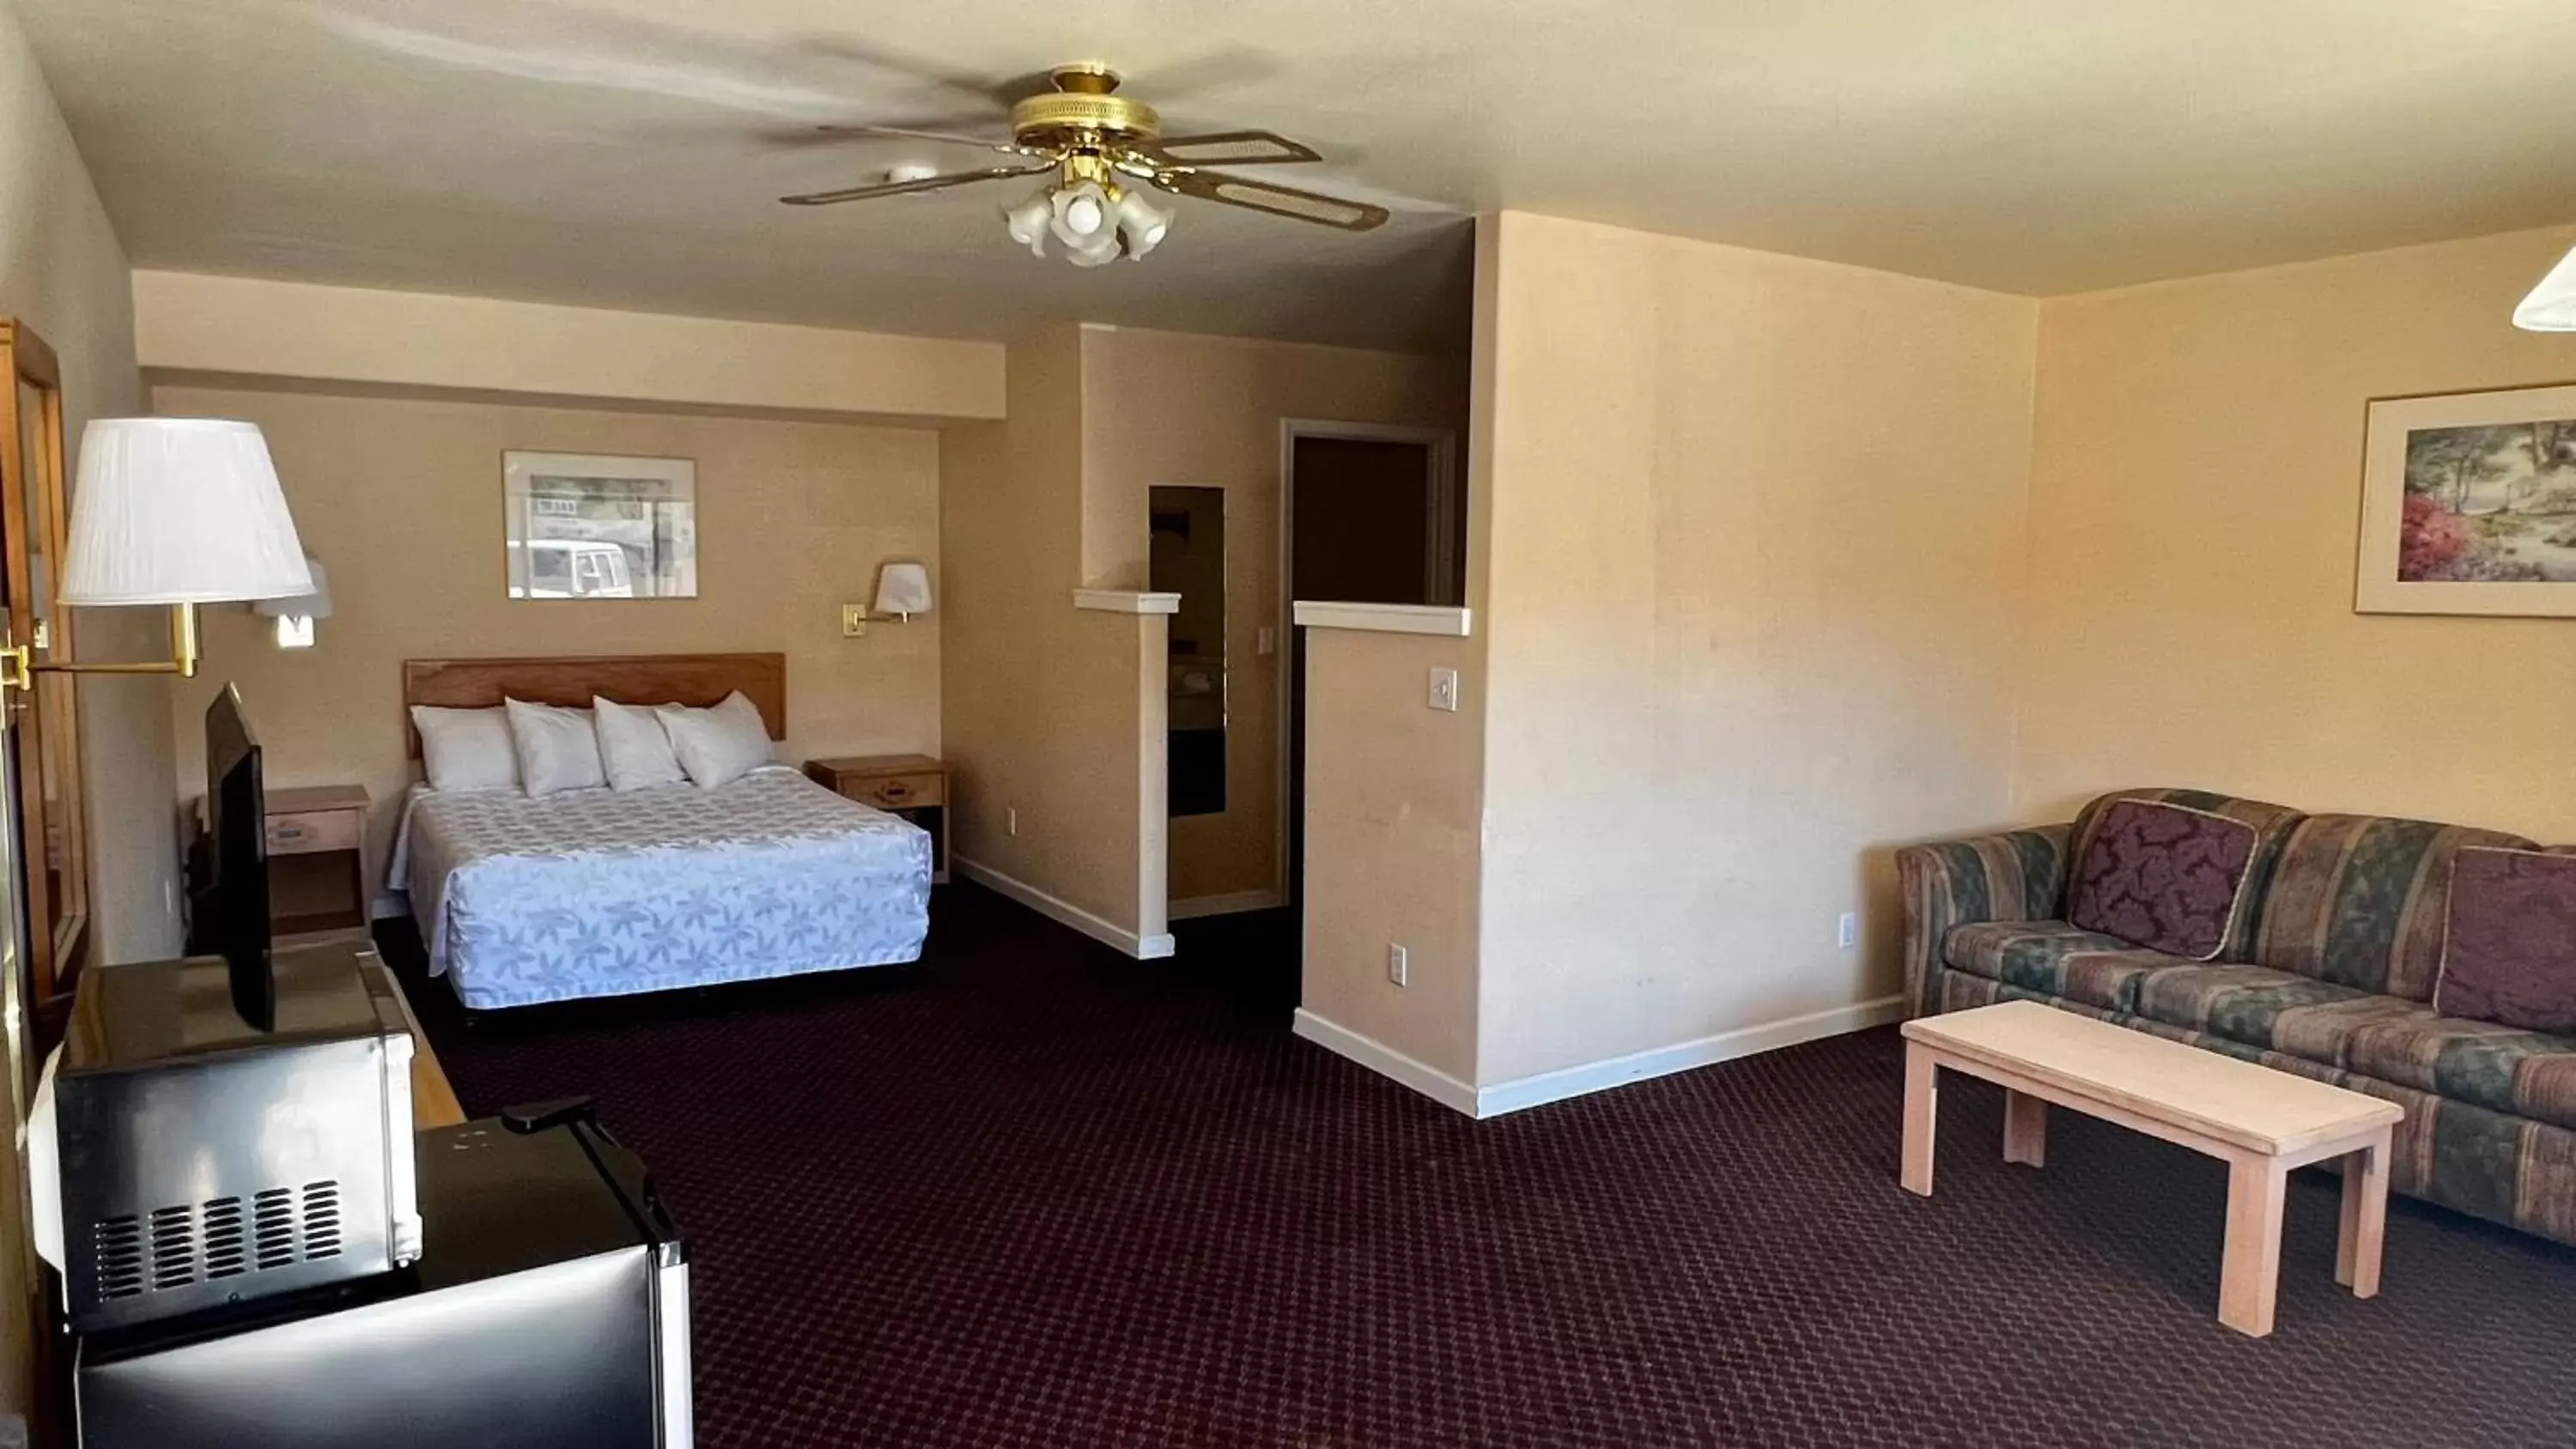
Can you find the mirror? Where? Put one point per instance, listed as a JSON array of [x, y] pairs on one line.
[[44, 749], [595, 526], [1188, 559]]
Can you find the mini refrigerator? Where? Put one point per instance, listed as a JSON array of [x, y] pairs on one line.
[[549, 1307]]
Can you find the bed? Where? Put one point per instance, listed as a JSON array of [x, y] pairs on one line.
[[590, 893]]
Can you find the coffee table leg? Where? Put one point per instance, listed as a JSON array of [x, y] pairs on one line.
[[2365, 1219], [1922, 1098], [2250, 1274], [2025, 1129]]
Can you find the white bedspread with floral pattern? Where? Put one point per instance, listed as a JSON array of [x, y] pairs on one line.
[[601, 893]]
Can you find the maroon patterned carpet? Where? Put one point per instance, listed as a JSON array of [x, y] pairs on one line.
[[1031, 1193]]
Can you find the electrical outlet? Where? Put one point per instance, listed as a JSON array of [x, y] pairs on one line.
[[1444, 690], [1847, 930], [1395, 964], [1011, 823], [854, 621]]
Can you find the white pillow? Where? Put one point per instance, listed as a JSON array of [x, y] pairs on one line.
[[466, 749], [634, 746], [719, 745], [558, 749]]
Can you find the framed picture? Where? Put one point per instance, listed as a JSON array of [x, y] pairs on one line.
[[599, 526], [2468, 504]]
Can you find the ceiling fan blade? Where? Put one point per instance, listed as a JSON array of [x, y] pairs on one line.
[[817, 135], [837, 133], [1285, 201], [1230, 148], [927, 183]]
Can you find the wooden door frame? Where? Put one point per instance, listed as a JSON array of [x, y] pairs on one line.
[[1440, 500], [52, 938]]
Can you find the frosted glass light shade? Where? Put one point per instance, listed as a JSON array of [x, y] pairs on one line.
[[2551, 307], [179, 511], [903, 588], [315, 605]]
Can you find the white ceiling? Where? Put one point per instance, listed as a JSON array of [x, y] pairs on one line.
[[628, 153]]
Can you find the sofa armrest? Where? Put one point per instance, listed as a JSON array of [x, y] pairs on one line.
[[2019, 875]]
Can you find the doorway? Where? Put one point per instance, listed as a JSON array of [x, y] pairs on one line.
[[1371, 515]]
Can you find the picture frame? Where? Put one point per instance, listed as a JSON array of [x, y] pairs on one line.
[[2469, 504], [599, 527]]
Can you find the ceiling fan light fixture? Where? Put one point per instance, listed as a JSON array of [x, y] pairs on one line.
[[1028, 220], [1141, 222], [1081, 213], [2551, 307]]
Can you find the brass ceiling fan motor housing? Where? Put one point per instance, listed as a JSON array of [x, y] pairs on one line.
[[1083, 112]]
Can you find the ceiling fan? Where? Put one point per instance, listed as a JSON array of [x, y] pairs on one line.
[[1104, 150]]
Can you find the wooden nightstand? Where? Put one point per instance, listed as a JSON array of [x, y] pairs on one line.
[[317, 860], [912, 786]]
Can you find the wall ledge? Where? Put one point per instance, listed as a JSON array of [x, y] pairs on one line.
[[1126, 601], [1384, 618]]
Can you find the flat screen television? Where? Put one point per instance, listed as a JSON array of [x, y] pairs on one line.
[[234, 909]]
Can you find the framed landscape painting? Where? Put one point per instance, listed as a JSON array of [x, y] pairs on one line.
[[2468, 504]]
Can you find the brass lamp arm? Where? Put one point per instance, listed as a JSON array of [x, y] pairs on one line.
[[18, 666]]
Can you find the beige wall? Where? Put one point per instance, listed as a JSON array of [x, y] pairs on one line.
[[1054, 714], [63, 273], [1752, 610], [1393, 810], [205, 324], [1172, 407], [2195, 490], [401, 500]]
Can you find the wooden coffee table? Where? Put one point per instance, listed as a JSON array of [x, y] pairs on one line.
[[2260, 1122]]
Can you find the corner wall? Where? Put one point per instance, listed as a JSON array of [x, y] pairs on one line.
[[1053, 714], [2196, 483], [1178, 408], [63, 272], [1753, 600]]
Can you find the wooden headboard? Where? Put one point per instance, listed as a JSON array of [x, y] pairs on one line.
[[697, 680]]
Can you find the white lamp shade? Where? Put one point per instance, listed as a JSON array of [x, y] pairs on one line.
[[179, 511], [315, 605], [903, 588], [2551, 307]]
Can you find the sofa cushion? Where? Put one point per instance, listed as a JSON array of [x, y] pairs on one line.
[[2509, 940], [2521, 1073], [2054, 958], [2257, 1006], [2272, 826], [2163, 876], [2358, 900]]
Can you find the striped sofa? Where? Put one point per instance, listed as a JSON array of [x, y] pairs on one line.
[[2330, 976]]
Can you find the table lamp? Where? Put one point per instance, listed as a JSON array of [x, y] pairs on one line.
[[174, 512]]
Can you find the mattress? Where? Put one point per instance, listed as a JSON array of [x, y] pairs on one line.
[[589, 893]]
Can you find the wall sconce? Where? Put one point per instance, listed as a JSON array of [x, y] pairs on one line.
[[903, 590], [176, 512], [295, 615]]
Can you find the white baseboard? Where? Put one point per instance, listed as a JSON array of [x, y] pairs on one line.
[[1190, 908], [1556, 1086], [1063, 912], [1386, 1061]]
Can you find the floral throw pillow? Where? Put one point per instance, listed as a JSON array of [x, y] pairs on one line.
[[2509, 945], [2163, 876]]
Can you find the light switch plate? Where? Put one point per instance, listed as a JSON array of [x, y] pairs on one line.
[[854, 621], [1444, 690]]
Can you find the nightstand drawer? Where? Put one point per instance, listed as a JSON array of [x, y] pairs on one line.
[[897, 792], [309, 831]]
